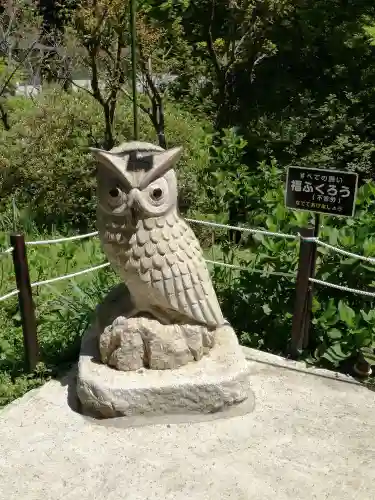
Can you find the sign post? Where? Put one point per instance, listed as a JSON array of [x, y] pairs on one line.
[[329, 192]]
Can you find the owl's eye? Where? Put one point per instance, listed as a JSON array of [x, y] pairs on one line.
[[115, 196], [157, 193], [114, 192]]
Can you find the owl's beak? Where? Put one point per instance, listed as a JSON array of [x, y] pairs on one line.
[[133, 199], [133, 204]]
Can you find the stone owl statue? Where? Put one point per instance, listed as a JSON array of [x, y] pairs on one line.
[[145, 239]]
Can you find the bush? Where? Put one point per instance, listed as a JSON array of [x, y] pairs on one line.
[[45, 164], [260, 306]]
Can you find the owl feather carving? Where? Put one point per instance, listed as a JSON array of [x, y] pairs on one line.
[[145, 239]]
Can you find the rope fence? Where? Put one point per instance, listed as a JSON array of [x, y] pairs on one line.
[[216, 225], [298, 236], [62, 240], [371, 260], [106, 264], [6, 252], [69, 276], [342, 288], [304, 277], [8, 295], [242, 229]]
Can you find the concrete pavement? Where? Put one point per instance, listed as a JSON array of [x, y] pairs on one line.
[[310, 436]]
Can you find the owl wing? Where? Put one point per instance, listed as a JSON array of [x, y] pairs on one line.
[[172, 264]]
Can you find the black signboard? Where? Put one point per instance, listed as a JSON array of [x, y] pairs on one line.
[[324, 191]]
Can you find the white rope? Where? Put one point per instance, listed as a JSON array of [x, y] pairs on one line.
[[8, 295], [212, 262], [61, 240], [345, 252], [243, 229], [311, 239], [67, 276], [220, 226], [7, 251], [343, 288], [258, 271]]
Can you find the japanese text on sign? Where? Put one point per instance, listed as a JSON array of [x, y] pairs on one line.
[[325, 191]]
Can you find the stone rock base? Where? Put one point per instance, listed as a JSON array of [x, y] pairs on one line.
[[214, 383], [129, 344]]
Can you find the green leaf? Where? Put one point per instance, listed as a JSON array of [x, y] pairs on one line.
[[335, 354], [368, 268], [334, 334], [369, 355], [266, 309], [316, 306], [5, 346], [346, 314], [349, 262], [329, 312], [17, 316]]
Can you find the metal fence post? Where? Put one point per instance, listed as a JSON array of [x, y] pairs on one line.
[[25, 300], [303, 302]]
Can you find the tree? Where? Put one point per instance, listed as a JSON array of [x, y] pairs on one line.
[[96, 37], [155, 66], [225, 36], [312, 102], [20, 55], [295, 78]]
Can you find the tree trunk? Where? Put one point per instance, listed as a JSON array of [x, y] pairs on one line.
[[161, 138], [160, 129], [158, 119], [108, 134], [4, 117]]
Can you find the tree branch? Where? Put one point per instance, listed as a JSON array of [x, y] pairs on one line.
[[257, 61], [95, 77], [210, 45], [118, 74], [17, 67], [64, 78], [141, 106]]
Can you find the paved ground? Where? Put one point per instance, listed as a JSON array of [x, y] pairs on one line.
[[310, 436]]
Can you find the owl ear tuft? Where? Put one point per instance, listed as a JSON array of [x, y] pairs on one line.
[[109, 160], [100, 154], [162, 162]]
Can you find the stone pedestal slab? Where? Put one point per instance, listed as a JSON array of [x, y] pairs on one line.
[[216, 382]]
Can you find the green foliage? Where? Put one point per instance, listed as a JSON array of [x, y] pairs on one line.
[[46, 166], [295, 77], [8, 78], [260, 304], [282, 83], [63, 310], [53, 189]]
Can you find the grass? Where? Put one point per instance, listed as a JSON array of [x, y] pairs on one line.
[[63, 310]]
